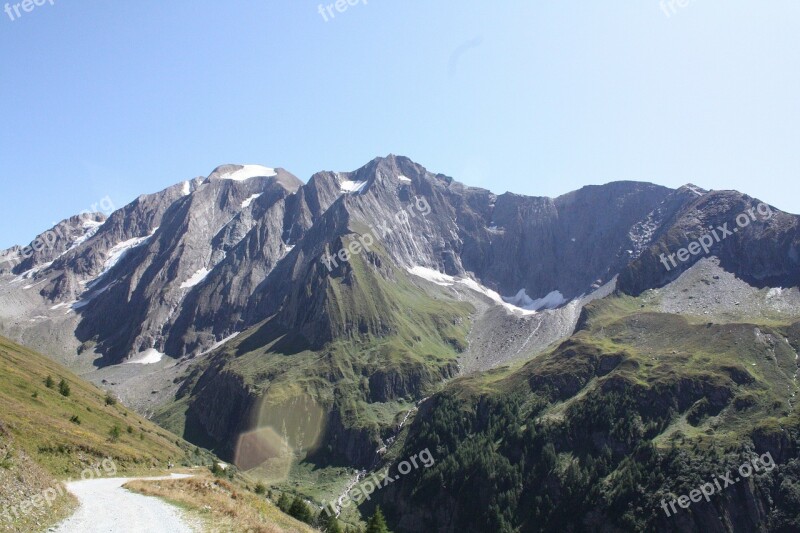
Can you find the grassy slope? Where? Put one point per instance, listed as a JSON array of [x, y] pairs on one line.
[[410, 335], [40, 445], [710, 390], [222, 506], [755, 360], [41, 425]]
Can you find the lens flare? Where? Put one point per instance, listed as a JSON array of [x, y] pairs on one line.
[[284, 430]]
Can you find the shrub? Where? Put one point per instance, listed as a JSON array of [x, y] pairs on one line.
[[7, 461], [114, 433], [217, 469], [49, 383], [63, 388]]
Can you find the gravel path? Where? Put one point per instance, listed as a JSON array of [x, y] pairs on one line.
[[108, 508]]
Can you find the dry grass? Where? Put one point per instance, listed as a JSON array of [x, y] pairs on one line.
[[221, 506], [22, 481], [65, 434], [46, 437]]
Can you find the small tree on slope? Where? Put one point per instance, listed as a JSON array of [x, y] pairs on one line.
[[377, 524]]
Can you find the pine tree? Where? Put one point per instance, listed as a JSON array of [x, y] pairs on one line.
[[300, 511], [63, 388], [549, 457], [284, 503], [377, 523], [329, 524]]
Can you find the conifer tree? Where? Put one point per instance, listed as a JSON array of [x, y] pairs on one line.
[[377, 523]]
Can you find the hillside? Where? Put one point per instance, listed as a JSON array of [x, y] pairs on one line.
[[47, 437], [595, 435]]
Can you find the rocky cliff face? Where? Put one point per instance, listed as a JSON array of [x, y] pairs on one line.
[[755, 241], [210, 257]]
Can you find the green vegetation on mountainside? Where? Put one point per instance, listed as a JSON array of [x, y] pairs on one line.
[[54, 425], [394, 345], [63, 432], [634, 406]]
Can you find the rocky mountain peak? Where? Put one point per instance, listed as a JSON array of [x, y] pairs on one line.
[[209, 257]]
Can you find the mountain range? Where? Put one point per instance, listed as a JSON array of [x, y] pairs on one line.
[[568, 361]]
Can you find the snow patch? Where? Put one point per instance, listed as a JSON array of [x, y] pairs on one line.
[[249, 201], [495, 229], [147, 357], [695, 190], [115, 255], [196, 278], [220, 343], [187, 189], [432, 275], [91, 296], [522, 300], [352, 187], [91, 227], [249, 171], [29, 274], [83, 238], [404, 179], [89, 223], [27, 287], [119, 250], [444, 280], [477, 287]]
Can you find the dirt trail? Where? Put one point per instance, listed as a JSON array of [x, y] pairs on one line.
[[105, 507]]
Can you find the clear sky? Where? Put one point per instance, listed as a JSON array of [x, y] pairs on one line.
[[127, 97]]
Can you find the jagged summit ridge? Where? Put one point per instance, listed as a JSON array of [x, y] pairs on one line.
[[210, 257]]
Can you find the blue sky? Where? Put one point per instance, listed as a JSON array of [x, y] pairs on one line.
[[122, 98]]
